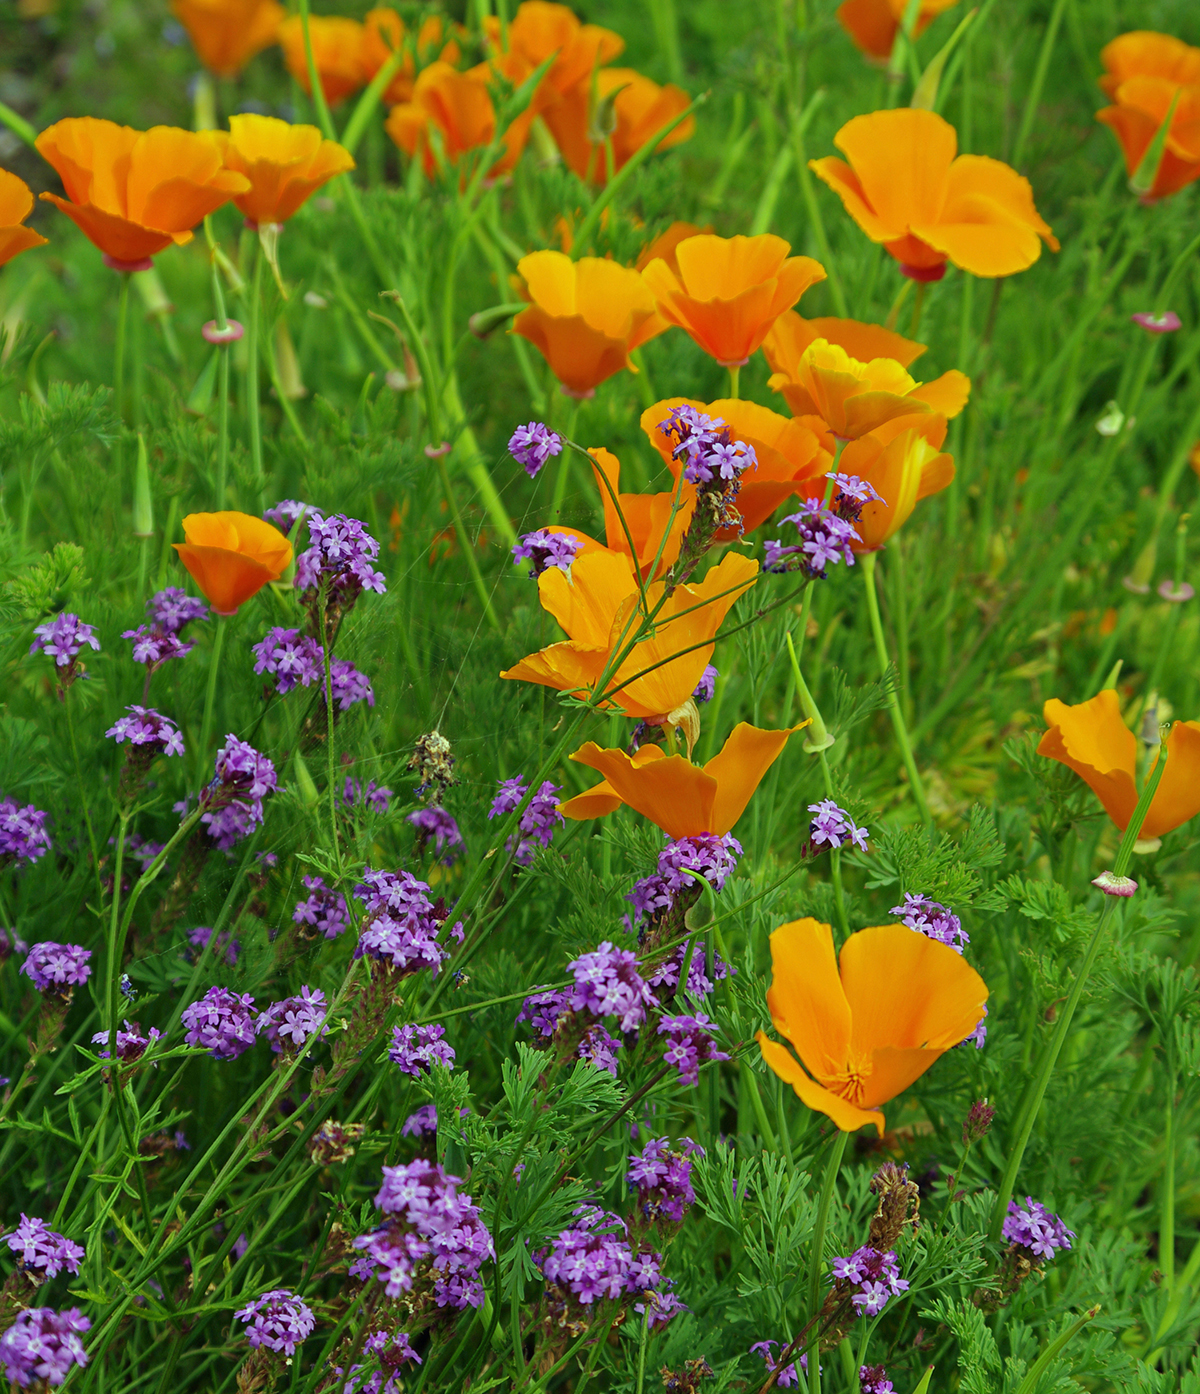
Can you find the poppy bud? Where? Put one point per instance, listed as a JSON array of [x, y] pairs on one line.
[[603, 122], [305, 787], [288, 364], [143, 507], [1143, 179]]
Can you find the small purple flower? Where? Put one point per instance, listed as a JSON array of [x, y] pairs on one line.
[[61, 639], [873, 1379], [933, 920], [435, 825], [278, 1320], [509, 797], [415, 1049], [662, 1307], [1035, 1228], [421, 1123], [690, 1044], [147, 728], [705, 442], [57, 968], [978, 1037], [324, 909], [706, 854], [172, 608], [222, 1022], [374, 796], [665, 976], [348, 685], [393, 1352], [289, 657], [833, 827], [787, 1378], [401, 927], [544, 1009], [155, 646], [851, 496], [546, 549], [227, 946], [607, 983], [340, 557], [598, 1048], [824, 539], [291, 1023], [876, 1275], [43, 1345], [131, 1044], [234, 798], [707, 686], [1166, 323], [41, 1252], [537, 823], [285, 514], [593, 1259], [663, 1178], [533, 445], [23, 835]]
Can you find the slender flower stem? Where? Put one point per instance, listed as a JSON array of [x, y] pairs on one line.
[[322, 606], [735, 373], [465, 543], [222, 426], [1166, 1225], [210, 698], [114, 963], [563, 475], [253, 421], [898, 723], [918, 305], [816, 1260], [83, 803], [119, 377]]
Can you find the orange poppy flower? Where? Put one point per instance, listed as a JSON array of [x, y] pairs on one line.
[[597, 607], [664, 246], [788, 453], [1144, 53], [337, 49], [132, 193], [853, 398], [905, 187], [791, 334], [384, 34], [905, 463], [870, 1024], [683, 799], [539, 29], [874, 24], [226, 34], [586, 316], [232, 556], [729, 291], [16, 201], [1093, 740], [284, 164], [640, 109], [1142, 104]]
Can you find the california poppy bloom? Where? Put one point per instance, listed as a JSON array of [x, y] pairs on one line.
[[586, 316], [1141, 105], [337, 49], [865, 1026], [385, 33], [683, 799], [539, 29], [729, 291], [132, 193], [663, 247], [226, 34], [874, 24], [905, 187], [791, 334], [640, 108], [788, 454], [16, 202], [1093, 740], [284, 164], [1144, 53], [232, 556], [904, 462], [597, 607]]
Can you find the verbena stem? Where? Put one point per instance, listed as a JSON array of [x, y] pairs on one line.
[[816, 1259]]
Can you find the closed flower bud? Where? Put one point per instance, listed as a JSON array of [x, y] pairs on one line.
[[978, 1121]]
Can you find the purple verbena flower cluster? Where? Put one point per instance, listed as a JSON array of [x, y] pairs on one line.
[[435, 825], [222, 1022], [340, 556], [57, 968], [23, 835], [599, 1049], [851, 495], [149, 730], [787, 1378], [873, 1379], [593, 1260], [824, 540], [41, 1252], [421, 1123], [227, 946], [706, 444], [374, 796], [172, 608], [543, 1010], [43, 1345], [290, 657], [663, 1177], [978, 1037], [324, 909], [415, 1049], [401, 926], [539, 820], [431, 1231], [690, 1045], [547, 549], [607, 983], [1035, 1228], [348, 685], [234, 798], [533, 445], [932, 920], [710, 856], [876, 1275], [662, 1306], [665, 977], [284, 514], [278, 1320], [706, 688], [833, 827], [392, 1352], [131, 1044], [154, 646], [291, 1023], [62, 639]]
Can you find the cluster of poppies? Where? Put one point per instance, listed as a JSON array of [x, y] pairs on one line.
[[1153, 80]]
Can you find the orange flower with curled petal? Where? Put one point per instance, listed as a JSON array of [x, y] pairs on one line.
[[285, 165], [539, 29], [16, 202], [132, 193], [597, 606], [869, 1024], [906, 187], [791, 334], [683, 799], [1093, 740], [226, 34], [1141, 106], [874, 24], [337, 49], [640, 109], [1143, 53], [232, 556], [788, 454], [904, 462], [586, 316], [663, 247], [730, 290]]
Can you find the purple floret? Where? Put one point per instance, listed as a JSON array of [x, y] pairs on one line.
[[147, 728], [172, 608], [833, 827], [543, 1010], [706, 688], [593, 1260], [665, 977], [41, 1252], [63, 637], [546, 550], [23, 835], [43, 1345], [787, 1378], [607, 983], [278, 1320], [932, 920], [131, 1044], [340, 557], [663, 1178], [284, 514], [824, 539], [537, 823], [533, 445], [420, 1123], [375, 796], [393, 1352], [710, 856], [324, 909], [690, 1044], [873, 1379], [598, 1048], [437, 826], [293, 1022], [1035, 1228], [57, 968], [234, 798], [401, 927], [415, 1049], [289, 657], [876, 1276], [154, 646], [222, 1022], [227, 946], [348, 685]]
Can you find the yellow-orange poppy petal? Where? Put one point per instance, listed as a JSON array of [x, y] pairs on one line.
[[845, 1116], [597, 802], [902, 158], [1145, 53], [337, 47], [284, 164], [16, 203], [738, 769], [646, 516], [116, 236], [1177, 798], [894, 1068], [226, 34], [1092, 739], [227, 579], [946, 395], [585, 602], [567, 667], [806, 999], [791, 334], [1135, 130], [674, 794]]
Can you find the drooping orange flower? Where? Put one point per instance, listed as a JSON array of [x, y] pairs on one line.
[[729, 291], [337, 49], [586, 316], [869, 1024], [226, 34], [1141, 105], [232, 556], [874, 24], [787, 452], [903, 460], [1143, 53], [132, 193], [1093, 740], [683, 799], [905, 187], [853, 397], [539, 29], [598, 608], [16, 202], [640, 109], [285, 164], [385, 33]]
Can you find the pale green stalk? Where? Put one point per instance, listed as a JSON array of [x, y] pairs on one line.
[[253, 420], [119, 380], [816, 1258], [210, 698]]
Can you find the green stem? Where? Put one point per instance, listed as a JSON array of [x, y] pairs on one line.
[[464, 542], [253, 420], [119, 378], [1166, 1227], [326, 646], [222, 425], [918, 305], [114, 925], [816, 1261], [760, 1113], [735, 373], [898, 723], [210, 699], [317, 92], [1039, 81], [83, 803]]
